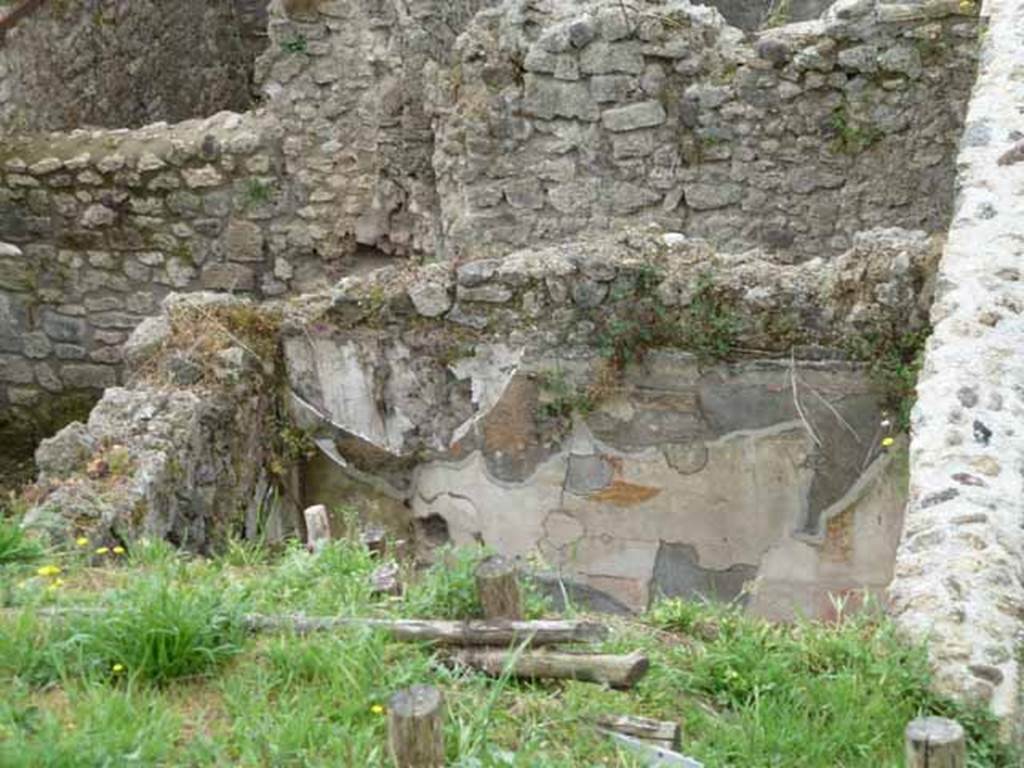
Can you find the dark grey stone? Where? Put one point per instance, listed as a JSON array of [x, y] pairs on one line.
[[678, 573]]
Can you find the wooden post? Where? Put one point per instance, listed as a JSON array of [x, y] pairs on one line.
[[416, 727], [498, 586], [318, 527], [935, 742], [375, 540]]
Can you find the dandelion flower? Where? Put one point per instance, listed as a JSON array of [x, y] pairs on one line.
[[377, 709], [102, 550], [117, 668], [887, 442], [118, 550], [48, 570], [55, 585], [81, 541]]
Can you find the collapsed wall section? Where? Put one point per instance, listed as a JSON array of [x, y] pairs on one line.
[[560, 118], [189, 451], [570, 404], [959, 582], [111, 63]]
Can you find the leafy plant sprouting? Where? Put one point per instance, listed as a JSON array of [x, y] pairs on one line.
[[894, 358]]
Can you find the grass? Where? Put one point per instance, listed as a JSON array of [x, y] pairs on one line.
[[161, 674], [15, 546]]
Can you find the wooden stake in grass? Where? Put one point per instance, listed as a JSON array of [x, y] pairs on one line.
[[318, 527], [416, 727], [935, 742], [498, 586]]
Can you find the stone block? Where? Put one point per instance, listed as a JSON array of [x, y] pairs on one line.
[[245, 242], [15, 370], [646, 114], [201, 178], [611, 88], [548, 98], [227, 277], [63, 328], [88, 376], [606, 58], [709, 196]]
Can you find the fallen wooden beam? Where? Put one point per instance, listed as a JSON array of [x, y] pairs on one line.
[[458, 633], [617, 671], [652, 755], [482, 633], [658, 732]]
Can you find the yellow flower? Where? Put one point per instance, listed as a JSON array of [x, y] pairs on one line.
[[887, 442], [118, 550], [55, 585], [117, 668], [102, 550], [377, 709], [49, 570], [82, 541]]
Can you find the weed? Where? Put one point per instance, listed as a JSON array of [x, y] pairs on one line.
[[852, 136], [710, 326], [894, 358], [297, 44], [562, 398], [156, 631], [448, 589], [258, 192], [15, 545], [292, 446], [779, 14], [638, 322], [149, 553]]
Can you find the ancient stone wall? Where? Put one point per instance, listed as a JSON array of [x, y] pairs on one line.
[[121, 63], [346, 83], [560, 118], [958, 581], [488, 403], [101, 225]]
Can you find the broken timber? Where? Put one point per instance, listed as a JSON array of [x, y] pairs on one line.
[[617, 671]]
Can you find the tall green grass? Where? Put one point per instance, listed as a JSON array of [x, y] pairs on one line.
[[15, 545]]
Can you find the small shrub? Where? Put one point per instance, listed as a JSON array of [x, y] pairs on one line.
[[710, 326], [158, 631]]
